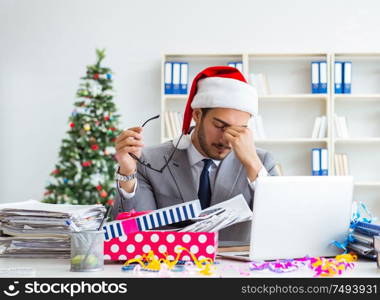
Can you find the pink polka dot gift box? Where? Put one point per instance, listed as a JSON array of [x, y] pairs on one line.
[[135, 245]]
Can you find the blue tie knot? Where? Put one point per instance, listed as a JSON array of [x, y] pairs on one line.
[[207, 163]]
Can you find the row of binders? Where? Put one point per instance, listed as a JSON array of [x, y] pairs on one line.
[[319, 77], [236, 64], [319, 162], [342, 78], [320, 128], [341, 164], [176, 77], [364, 237]]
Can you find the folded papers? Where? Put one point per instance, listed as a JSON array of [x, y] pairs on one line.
[[35, 229]]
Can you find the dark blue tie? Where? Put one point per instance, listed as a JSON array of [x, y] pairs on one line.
[[204, 192]]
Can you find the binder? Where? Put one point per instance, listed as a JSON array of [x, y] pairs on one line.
[[322, 128], [239, 66], [168, 78], [176, 77], [347, 66], [323, 77], [338, 77], [324, 162], [315, 161], [231, 64], [314, 77], [184, 78]]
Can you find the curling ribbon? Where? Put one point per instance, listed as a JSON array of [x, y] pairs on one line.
[[148, 262]]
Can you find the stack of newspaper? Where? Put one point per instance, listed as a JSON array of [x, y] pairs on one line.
[[35, 229]]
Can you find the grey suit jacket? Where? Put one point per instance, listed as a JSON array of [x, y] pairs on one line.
[[176, 184]]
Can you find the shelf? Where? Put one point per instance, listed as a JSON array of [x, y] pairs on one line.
[[291, 140], [357, 140], [357, 97], [293, 97], [274, 97], [176, 96], [367, 183]]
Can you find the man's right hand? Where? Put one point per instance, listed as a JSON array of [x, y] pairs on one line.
[[129, 141]]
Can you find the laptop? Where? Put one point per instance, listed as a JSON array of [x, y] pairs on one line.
[[298, 216]]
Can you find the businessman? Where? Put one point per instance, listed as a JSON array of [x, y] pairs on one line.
[[214, 161]]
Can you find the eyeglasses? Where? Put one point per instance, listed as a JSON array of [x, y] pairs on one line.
[[148, 165]]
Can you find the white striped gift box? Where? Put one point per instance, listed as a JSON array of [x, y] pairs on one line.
[[160, 217]]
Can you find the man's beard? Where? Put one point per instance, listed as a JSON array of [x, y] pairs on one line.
[[203, 144]]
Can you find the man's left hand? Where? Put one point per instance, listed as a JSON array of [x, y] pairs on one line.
[[241, 141]]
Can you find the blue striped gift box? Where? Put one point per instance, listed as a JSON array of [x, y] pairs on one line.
[[160, 217]]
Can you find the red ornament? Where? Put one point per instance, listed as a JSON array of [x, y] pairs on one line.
[[99, 187], [55, 172], [106, 118], [97, 123], [87, 163], [72, 125], [113, 140], [110, 202], [95, 147], [96, 76], [112, 128], [103, 194]]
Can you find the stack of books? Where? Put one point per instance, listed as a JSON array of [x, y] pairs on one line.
[[341, 164], [32, 229], [260, 82], [173, 124], [363, 239], [257, 126], [320, 128], [341, 130]]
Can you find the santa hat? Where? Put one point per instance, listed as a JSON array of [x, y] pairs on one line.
[[220, 86]]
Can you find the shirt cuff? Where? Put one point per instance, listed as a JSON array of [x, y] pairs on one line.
[[125, 194], [262, 173]]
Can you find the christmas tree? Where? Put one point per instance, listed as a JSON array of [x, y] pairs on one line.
[[86, 167]]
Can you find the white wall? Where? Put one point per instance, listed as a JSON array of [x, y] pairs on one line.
[[46, 44]]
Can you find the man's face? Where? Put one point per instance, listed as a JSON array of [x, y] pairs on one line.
[[210, 128]]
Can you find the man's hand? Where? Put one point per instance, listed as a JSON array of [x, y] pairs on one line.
[[129, 141], [241, 141]]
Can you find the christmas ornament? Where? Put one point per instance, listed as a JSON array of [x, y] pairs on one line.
[[87, 163], [103, 194], [72, 125], [95, 147], [87, 127]]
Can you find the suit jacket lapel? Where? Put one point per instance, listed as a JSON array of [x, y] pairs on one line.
[[180, 170], [226, 177]]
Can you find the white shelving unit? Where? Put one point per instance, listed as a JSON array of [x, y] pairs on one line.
[[289, 111], [362, 111]]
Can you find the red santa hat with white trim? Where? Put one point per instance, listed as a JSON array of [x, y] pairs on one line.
[[220, 86]]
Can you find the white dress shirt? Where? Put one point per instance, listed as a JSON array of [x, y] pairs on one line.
[[196, 163]]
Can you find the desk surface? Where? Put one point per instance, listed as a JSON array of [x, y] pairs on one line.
[[224, 268]]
